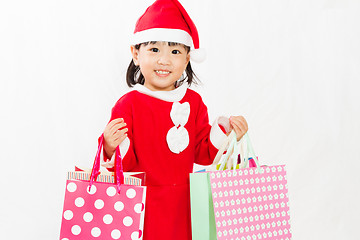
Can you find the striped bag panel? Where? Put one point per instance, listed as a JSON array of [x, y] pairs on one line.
[[108, 178]]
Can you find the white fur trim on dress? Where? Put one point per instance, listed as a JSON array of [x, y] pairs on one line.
[[170, 96], [177, 137], [124, 147], [180, 113], [163, 35], [217, 136]]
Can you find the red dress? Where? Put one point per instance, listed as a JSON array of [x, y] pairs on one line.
[[147, 149]]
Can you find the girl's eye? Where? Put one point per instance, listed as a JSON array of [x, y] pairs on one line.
[[175, 52], [154, 50]]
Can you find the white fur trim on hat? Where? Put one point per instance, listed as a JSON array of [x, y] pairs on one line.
[[164, 35]]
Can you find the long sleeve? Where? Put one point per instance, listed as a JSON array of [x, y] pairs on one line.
[[123, 109], [208, 139]]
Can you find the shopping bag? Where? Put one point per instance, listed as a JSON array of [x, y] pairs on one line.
[[251, 203], [100, 210], [201, 199], [202, 208], [247, 203]]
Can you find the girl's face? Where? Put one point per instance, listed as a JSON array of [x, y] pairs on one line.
[[161, 65]]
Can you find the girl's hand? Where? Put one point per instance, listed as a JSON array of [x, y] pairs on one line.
[[114, 134], [239, 124]]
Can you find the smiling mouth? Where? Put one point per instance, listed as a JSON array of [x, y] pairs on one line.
[[161, 72]]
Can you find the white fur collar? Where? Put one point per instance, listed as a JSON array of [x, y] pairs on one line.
[[170, 96]]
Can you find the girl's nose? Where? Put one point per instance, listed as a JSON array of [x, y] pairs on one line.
[[164, 59]]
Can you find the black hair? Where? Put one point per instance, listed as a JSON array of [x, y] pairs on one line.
[[134, 75]]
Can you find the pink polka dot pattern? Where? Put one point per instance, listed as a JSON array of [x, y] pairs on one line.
[[250, 204], [98, 214]]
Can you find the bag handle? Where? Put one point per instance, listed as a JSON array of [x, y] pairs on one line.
[[95, 172], [223, 147], [249, 151], [233, 149], [231, 156]]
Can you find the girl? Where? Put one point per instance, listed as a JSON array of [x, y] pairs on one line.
[[162, 127]]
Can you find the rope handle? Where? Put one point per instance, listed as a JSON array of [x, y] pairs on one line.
[[95, 172], [233, 148]]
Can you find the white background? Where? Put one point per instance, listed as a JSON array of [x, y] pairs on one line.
[[291, 68]]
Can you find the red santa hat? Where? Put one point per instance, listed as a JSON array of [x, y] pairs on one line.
[[167, 20]]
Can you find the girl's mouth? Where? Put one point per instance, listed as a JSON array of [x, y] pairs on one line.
[[162, 72]]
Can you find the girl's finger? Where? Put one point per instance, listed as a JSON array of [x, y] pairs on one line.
[[117, 126], [240, 128], [119, 133], [114, 122], [241, 123], [121, 139], [239, 132], [237, 126], [244, 122]]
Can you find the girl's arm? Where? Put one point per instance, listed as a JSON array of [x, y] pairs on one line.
[[208, 138], [118, 133]]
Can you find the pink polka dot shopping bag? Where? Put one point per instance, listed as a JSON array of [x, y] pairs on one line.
[[102, 210], [244, 202]]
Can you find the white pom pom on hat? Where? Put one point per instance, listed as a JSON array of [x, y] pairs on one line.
[[167, 20], [198, 55]]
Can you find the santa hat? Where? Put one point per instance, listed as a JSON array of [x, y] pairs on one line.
[[167, 20]]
